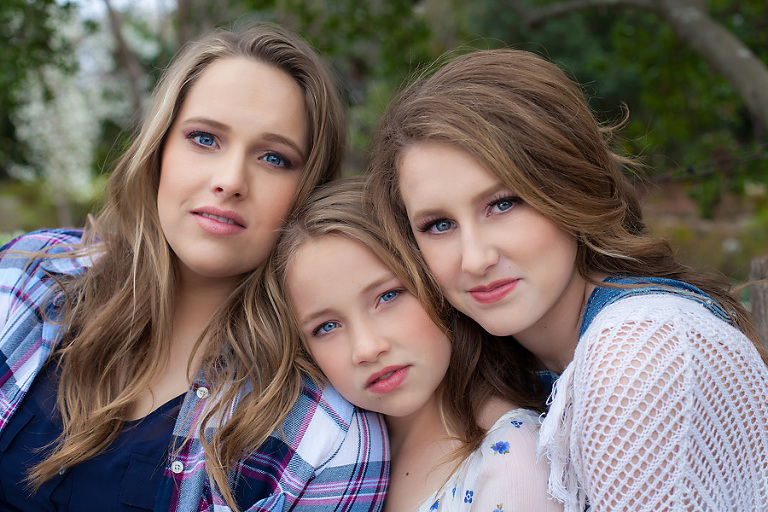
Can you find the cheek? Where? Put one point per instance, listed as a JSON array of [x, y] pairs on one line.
[[440, 261], [277, 198], [330, 363]]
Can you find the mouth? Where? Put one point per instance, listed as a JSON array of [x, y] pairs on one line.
[[387, 379], [494, 291], [224, 217], [218, 218]]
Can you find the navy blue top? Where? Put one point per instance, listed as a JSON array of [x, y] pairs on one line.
[[125, 477]]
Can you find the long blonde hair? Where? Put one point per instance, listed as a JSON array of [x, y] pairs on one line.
[[529, 125], [477, 362], [118, 316]]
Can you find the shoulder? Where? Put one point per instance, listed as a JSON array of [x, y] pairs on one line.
[[43, 239], [337, 453], [505, 469], [326, 429], [509, 443], [652, 334], [655, 317], [17, 253], [516, 431]]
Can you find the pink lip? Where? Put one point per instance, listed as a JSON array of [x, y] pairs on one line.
[[226, 223], [493, 292], [387, 379]]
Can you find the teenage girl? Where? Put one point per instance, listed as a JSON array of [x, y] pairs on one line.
[[139, 367], [494, 174], [456, 442]]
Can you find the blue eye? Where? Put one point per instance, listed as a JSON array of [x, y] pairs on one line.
[[325, 328], [439, 226], [203, 138], [505, 203], [388, 296], [277, 160]]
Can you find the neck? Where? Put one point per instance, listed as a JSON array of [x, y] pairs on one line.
[[406, 432], [196, 302], [420, 449], [553, 341]]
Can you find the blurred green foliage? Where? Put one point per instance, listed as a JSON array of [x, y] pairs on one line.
[[686, 122], [28, 39]]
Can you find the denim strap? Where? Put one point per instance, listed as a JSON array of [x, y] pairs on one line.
[[603, 296]]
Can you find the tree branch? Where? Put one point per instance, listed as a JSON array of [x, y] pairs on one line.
[[691, 22], [536, 16], [128, 60]]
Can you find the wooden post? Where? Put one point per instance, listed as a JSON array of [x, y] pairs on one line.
[[758, 296]]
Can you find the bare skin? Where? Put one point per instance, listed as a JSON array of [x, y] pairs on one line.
[[194, 308]]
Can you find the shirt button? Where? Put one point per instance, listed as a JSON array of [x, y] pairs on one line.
[[177, 467], [202, 392]]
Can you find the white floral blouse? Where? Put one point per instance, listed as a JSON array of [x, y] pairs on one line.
[[503, 474]]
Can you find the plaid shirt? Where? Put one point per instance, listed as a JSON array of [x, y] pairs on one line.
[[333, 456]]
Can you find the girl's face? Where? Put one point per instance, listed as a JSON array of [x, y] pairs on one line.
[[497, 260], [231, 165], [367, 333]]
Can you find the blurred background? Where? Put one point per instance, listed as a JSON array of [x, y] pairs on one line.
[[75, 76]]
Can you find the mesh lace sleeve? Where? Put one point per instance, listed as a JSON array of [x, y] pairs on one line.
[[670, 411]]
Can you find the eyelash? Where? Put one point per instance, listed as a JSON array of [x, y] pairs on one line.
[[431, 223], [194, 135], [395, 293], [285, 162], [515, 200], [316, 330]]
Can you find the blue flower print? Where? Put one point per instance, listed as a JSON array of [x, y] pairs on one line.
[[499, 508], [453, 492], [468, 496], [435, 506], [502, 447], [516, 423]]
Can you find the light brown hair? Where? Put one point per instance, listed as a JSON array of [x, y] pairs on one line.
[[118, 316], [529, 125]]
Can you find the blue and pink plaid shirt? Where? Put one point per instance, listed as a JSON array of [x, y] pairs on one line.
[[332, 456]]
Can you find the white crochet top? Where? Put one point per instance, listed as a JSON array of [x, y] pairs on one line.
[[663, 408]]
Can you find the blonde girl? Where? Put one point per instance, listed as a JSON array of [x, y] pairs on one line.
[[142, 366]]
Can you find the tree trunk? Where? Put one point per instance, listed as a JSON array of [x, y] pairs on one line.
[[758, 296], [128, 61], [723, 51], [726, 54]]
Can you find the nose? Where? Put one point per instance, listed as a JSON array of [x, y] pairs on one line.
[[229, 177], [478, 253], [368, 343]]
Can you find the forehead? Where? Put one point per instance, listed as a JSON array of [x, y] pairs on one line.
[[429, 167], [240, 87]]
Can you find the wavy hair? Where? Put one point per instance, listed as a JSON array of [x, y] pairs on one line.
[[529, 125], [340, 209], [120, 311]]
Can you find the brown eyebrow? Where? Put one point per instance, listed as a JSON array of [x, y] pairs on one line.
[[210, 122], [318, 314], [432, 212], [275, 137]]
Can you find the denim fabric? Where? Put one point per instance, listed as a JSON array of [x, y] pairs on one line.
[[603, 296]]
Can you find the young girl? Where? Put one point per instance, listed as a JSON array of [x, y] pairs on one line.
[[456, 442], [142, 367], [494, 173]]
